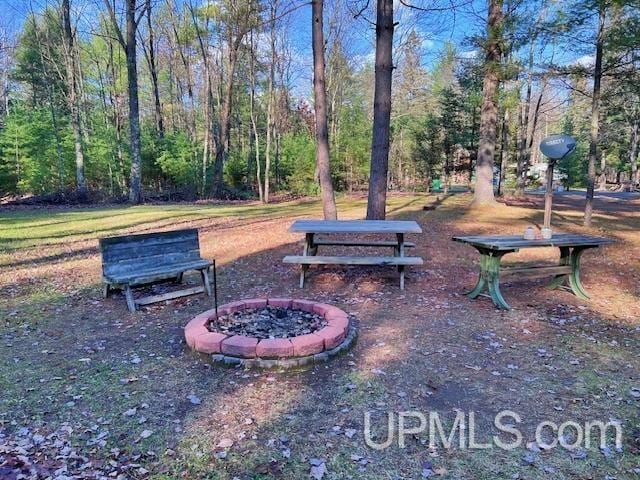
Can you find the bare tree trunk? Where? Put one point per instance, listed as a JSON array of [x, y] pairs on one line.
[[376, 204], [135, 185], [190, 120], [208, 97], [206, 149], [602, 181], [72, 95], [222, 145], [489, 113], [320, 104], [151, 61], [595, 118], [447, 168], [254, 124], [117, 119], [633, 153], [129, 45], [504, 146], [271, 101]]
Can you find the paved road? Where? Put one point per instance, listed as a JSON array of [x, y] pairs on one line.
[[580, 194]]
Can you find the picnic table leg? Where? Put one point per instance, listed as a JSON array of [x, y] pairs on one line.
[[309, 249], [400, 250], [565, 259], [574, 277], [489, 277], [571, 257]]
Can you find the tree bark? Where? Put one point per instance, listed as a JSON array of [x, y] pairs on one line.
[[489, 113], [222, 145], [595, 118], [602, 181], [151, 60], [376, 204], [504, 147], [320, 105], [129, 46], [72, 95], [208, 97], [252, 114], [633, 153], [135, 185]]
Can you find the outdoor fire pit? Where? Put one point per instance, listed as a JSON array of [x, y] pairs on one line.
[[274, 332]]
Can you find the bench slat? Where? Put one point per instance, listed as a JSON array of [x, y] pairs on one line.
[[143, 250], [355, 226], [169, 295], [351, 260], [362, 243], [159, 272], [151, 262]]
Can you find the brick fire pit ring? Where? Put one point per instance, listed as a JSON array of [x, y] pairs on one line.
[[337, 336]]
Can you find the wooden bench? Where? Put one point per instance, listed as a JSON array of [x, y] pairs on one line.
[[135, 260], [492, 248], [340, 227]]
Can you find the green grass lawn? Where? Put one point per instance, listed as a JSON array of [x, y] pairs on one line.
[[29, 228]]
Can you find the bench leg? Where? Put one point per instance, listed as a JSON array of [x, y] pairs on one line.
[[106, 290], [204, 274], [179, 278], [128, 294], [399, 252], [309, 249]]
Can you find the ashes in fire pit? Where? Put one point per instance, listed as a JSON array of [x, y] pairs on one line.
[[269, 322]]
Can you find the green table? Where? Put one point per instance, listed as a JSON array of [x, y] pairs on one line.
[[565, 274]]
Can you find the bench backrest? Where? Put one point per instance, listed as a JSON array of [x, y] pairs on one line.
[[149, 250]]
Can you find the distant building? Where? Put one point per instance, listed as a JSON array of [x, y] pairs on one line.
[[539, 173]]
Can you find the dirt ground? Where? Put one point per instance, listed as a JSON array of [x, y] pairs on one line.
[[88, 390]]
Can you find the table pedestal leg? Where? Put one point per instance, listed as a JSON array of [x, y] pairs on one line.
[[489, 278], [571, 257]]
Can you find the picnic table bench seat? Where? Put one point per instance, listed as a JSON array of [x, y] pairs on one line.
[[143, 259], [350, 260]]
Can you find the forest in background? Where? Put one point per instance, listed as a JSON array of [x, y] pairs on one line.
[[226, 108]]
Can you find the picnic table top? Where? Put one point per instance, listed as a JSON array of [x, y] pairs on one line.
[[510, 242], [355, 226]]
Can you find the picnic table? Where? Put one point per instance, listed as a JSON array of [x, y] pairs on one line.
[[329, 228], [566, 274]]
